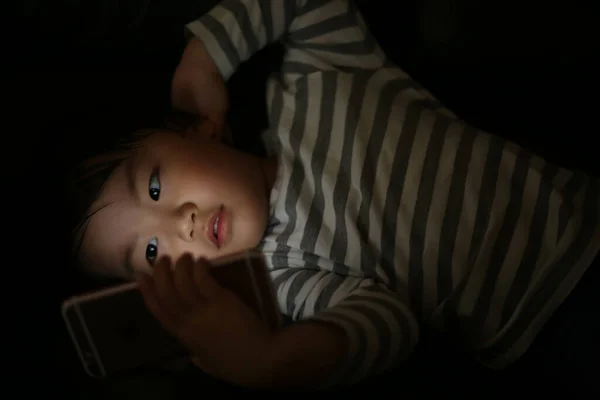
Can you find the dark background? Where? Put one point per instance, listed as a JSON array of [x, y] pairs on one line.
[[71, 70]]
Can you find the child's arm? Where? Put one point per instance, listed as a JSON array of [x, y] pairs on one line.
[[318, 34], [351, 328], [305, 355]]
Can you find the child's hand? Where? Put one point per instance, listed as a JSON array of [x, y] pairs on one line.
[[225, 337], [198, 87]]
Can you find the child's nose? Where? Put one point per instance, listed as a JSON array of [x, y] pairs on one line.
[[186, 221]]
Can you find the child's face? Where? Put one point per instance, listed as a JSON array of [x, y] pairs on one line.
[[177, 194]]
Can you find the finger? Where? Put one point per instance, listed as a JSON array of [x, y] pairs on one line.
[[151, 299], [184, 280], [204, 280], [165, 285]]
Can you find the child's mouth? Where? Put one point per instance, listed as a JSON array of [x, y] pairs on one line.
[[218, 232], [216, 227]]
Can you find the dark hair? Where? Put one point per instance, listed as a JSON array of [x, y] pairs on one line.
[[98, 155]]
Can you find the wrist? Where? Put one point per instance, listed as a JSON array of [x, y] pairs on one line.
[[195, 55]]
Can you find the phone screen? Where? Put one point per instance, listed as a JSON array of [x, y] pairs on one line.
[[113, 330], [117, 333]]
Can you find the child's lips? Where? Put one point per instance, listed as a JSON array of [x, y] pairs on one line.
[[223, 226], [218, 222]]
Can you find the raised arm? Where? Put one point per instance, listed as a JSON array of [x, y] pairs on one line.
[[320, 34], [373, 326]]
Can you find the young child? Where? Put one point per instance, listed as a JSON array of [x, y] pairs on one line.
[[379, 211]]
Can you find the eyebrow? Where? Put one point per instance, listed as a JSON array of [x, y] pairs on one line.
[[132, 190], [130, 177]]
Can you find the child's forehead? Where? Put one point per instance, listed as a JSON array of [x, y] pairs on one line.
[[151, 139], [128, 155], [132, 147], [120, 150], [110, 231]]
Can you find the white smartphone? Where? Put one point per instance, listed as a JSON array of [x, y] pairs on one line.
[[114, 332]]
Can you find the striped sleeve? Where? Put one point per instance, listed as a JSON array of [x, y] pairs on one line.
[[378, 325], [318, 34]]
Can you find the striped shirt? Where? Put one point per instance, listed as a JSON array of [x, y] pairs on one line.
[[388, 211]]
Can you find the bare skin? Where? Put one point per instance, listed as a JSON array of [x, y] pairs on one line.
[[178, 194], [163, 203]]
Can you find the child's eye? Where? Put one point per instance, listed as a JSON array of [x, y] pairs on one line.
[[152, 250], [154, 185]]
